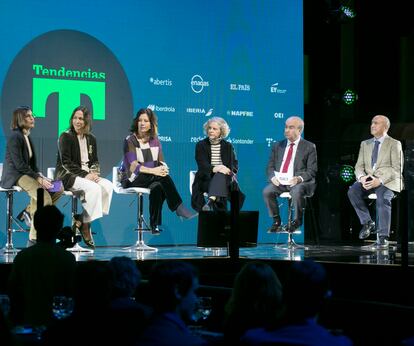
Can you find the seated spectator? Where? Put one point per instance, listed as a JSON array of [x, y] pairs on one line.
[[256, 300], [91, 322], [40, 272], [127, 314], [173, 286], [305, 292]]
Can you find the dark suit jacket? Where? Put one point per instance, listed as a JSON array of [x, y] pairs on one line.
[[17, 162], [305, 164], [205, 169], [68, 164]]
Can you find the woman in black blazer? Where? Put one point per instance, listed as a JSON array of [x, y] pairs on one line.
[[217, 168], [78, 167], [20, 168]]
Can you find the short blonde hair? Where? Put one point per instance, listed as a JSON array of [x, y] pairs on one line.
[[224, 127]]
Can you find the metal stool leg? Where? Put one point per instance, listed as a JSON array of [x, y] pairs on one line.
[[9, 248], [140, 244], [290, 244]]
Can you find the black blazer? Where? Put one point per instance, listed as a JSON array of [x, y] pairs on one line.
[[68, 163], [305, 164], [205, 169], [16, 162]]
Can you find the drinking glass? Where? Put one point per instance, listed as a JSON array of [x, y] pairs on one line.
[[62, 307], [203, 309]]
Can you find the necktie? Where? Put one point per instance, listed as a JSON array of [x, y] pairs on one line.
[[374, 154], [288, 158]]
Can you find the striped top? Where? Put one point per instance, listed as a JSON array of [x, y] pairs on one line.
[[216, 155]]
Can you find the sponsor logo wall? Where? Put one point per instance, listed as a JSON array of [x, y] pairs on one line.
[[115, 67]]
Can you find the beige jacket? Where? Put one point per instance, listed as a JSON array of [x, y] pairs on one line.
[[389, 164]]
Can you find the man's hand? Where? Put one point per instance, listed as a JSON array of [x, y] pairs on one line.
[[369, 184], [275, 181], [294, 181]]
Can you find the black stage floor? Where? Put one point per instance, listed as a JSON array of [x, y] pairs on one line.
[[354, 272]]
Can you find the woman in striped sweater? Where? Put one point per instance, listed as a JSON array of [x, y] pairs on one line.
[[217, 168]]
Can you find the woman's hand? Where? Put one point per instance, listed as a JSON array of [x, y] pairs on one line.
[[160, 171], [46, 184], [93, 177], [221, 169]]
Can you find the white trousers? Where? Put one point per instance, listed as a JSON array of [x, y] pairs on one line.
[[97, 199]]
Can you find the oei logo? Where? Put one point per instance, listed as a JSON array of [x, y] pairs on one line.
[[198, 84]]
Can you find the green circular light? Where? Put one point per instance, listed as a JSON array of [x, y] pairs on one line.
[[347, 174], [349, 97]]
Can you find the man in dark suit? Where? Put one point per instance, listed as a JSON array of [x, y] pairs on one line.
[[292, 168]]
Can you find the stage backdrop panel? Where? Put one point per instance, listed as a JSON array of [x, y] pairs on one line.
[[187, 60]]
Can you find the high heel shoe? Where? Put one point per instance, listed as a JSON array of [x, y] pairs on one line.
[[24, 216], [155, 230], [184, 213], [86, 233]]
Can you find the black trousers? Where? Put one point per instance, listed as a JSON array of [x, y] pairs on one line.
[[162, 188]]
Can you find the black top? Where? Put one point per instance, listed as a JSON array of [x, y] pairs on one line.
[[68, 164], [205, 168], [17, 162]]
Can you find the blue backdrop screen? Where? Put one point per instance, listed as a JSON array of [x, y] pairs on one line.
[[187, 60]]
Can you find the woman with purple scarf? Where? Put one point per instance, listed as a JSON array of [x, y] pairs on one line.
[[144, 166]]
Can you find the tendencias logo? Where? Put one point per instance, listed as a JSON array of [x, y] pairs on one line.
[[60, 70], [69, 91]]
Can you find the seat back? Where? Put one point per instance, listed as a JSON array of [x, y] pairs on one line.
[[192, 177], [51, 172]]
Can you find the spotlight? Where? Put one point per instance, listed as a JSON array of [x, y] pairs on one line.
[[347, 12], [347, 174], [349, 97]]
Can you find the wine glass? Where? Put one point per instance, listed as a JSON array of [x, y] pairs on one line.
[[5, 304], [203, 309], [62, 307]]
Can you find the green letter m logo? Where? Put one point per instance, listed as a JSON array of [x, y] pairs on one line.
[[69, 92]]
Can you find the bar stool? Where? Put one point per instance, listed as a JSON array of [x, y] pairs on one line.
[[74, 196], [290, 244], [139, 192], [9, 247]]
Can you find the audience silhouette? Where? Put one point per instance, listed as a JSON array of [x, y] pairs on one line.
[[256, 300], [304, 292], [40, 272]]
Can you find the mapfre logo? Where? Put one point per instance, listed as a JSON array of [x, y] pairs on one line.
[[55, 84], [198, 84]]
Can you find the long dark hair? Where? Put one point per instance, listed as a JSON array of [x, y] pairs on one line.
[[86, 118], [152, 118]]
